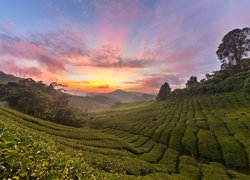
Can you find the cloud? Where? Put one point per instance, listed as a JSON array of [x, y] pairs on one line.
[[62, 42], [19, 70], [19, 48], [110, 57], [48, 55], [86, 86], [106, 86], [186, 33], [106, 57], [152, 82], [142, 43]]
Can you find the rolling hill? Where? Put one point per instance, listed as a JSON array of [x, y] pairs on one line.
[[168, 140], [108, 100], [192, 135], [90, 103], [129, 97]]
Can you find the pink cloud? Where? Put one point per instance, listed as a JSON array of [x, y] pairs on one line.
[[152, 82], [19, 70], [111, 35], [22, 49], [178, 39], [63, 41]]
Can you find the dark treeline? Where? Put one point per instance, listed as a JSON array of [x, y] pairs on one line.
[[38, 99]]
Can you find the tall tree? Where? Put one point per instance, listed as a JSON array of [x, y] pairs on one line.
[[234, 46], [164, 92], [192, 81]]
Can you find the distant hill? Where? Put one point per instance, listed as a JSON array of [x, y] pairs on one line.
[[107, 100], [96, 102], [5, 78], [128, 97]]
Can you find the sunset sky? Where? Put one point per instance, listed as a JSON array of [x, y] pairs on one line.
[[103, 45]]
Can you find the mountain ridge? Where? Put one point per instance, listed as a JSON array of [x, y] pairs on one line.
[[108, 100], [5, 78], [126, 96]]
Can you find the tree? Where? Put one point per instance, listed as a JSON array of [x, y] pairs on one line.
[[234, 46], [208, 76], [41, 100], [192, 81], [246, 63], [164, 92]]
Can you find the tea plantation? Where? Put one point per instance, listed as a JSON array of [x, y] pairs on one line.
[[190, 137], [202, 136]]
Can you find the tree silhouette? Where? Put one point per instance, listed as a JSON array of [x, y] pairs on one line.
[[234, 46], [164, 92], [192, 81]]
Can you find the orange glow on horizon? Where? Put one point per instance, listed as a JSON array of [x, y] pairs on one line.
[[98, 79], [93, 86]]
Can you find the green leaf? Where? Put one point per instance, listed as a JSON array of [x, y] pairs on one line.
[[23, 164]]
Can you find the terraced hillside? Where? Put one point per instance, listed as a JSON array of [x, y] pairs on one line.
[[39, 149], [191, 137]]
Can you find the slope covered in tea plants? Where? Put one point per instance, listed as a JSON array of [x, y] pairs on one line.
[[196, 134], [186, 137], [189, 135], [35, 148]]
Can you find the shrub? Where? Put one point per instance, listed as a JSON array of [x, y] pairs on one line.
[[188, 167], [214, 171], [208, 146], [170, 160]]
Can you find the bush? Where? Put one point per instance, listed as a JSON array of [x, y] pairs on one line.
[[188, 167], [208, 146], [234, 155], [155, 154], [189, 141], [170, 160], [214, 171]]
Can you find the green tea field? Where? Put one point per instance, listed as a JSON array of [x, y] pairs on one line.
[[185, 137]]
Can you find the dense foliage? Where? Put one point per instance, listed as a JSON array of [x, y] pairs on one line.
[[164, 92], [230, 79], [192, 81], [40, 100], [234, 47]]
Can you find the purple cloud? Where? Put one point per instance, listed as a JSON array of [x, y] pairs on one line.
[[19, 49]]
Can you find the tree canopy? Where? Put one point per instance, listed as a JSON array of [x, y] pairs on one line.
[[40, 100], [192, 81], [234, 47], [164, 92]]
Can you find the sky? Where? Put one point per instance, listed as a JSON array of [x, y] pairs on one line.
[[103, 45]]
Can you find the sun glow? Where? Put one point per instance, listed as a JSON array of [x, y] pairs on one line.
[[97, 79]]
